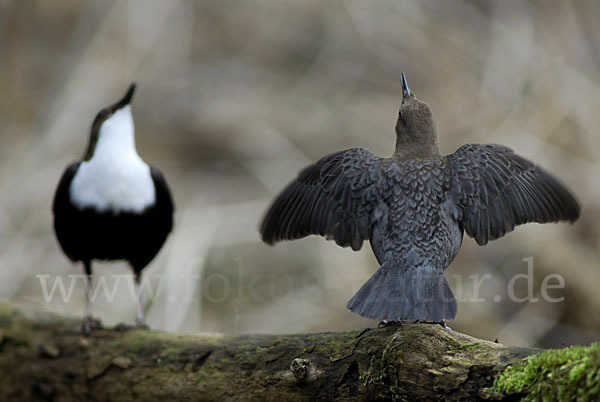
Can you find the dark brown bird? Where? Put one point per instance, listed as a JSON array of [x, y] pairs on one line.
[[413, 208]]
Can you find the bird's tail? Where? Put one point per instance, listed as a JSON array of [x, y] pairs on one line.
[[393, 293]]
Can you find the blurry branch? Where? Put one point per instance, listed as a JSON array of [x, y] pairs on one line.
[[42, 357]]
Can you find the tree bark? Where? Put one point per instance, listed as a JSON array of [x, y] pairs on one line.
[[43, 358]]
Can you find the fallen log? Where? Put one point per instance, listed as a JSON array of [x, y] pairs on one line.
[[43, 358]]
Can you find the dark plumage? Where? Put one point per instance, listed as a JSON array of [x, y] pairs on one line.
[[112, 205], [86, 234], [413, 208]]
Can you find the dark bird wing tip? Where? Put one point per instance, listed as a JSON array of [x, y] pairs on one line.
[[266, 235], [266, 238], [498, 190], [575, 214], [329, 198]]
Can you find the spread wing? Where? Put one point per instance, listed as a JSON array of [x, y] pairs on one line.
[[334, 197], [496, 190]]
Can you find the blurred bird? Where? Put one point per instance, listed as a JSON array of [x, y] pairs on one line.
[[413, 208], [112, 205]]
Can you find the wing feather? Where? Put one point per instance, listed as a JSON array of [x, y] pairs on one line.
[[496, 190], [333, 198]]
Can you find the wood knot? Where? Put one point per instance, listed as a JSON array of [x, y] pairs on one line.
[[299, 368], [49, 351], [122, 362]]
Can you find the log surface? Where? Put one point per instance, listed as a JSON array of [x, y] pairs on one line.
[[43, 358]]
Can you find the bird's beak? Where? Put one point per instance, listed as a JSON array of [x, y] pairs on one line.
[[126, 100], [405, 89]]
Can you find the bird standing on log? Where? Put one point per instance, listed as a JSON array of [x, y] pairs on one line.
[[414, 208], [112, 205]]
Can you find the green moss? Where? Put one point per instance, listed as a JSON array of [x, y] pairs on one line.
[[380, 372], [19, 333], [6, 315], [342, 347], [162, 344], [572, 373], [389, 355], [465, 347], [6, 311]]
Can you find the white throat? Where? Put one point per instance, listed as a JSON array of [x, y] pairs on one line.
[[115, 178]]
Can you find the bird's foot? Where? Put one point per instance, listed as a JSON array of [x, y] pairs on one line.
[[126, 326], [88, 324]]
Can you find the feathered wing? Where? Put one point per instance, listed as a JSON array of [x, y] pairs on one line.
[[495, 190], [334, 197], [61, 209], [164, 200], [155, 226], [62, 197]]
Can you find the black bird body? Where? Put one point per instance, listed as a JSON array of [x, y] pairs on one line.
[[414, 208], [112, 205], [86, 234]]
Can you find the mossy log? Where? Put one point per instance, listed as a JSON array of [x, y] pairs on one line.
[[43, 358]]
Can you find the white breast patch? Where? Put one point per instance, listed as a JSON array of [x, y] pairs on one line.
[[113, 185], [115, 178]]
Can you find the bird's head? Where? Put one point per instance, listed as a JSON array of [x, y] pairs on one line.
[[114, 121], [415, 128]]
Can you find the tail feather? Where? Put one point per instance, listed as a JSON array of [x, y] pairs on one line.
[[395, 294]]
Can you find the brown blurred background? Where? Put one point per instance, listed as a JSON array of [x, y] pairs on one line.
[[235, 97]]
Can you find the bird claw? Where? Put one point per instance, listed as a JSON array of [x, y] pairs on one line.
[[386, 323]]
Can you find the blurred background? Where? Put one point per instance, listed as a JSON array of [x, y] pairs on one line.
[[234, 98]]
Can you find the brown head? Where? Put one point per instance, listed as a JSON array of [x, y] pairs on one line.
[[415, 128]]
